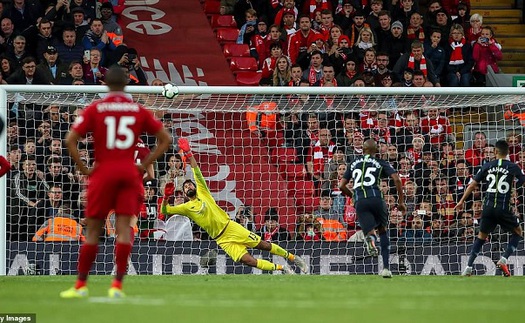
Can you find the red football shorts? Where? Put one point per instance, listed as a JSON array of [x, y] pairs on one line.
[[114, 186]]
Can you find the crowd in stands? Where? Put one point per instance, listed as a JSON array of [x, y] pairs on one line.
[[309, 43], [396, 40]]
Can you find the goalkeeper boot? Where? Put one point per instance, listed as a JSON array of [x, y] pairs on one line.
[[370, 246], [502, 264], [467, 271], [301, 263], [115, 292], [75, 293], [287, 270], [385, 273]]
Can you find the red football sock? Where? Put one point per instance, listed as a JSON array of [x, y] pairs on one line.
[[122, 251], [88, 253]]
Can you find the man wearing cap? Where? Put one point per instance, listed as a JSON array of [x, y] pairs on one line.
[[81, 24], [287, 9], [50, 68], [106, 15]]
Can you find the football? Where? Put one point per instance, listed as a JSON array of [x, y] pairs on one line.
[[170, 91]]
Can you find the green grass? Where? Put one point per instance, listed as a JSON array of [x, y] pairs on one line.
[[271, 298]]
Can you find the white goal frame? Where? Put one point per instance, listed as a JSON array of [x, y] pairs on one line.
[[5, 90]]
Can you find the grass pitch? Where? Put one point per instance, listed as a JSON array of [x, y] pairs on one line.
[[271, 298]]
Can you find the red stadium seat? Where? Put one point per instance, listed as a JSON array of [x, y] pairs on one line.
[[292, 172], [236, 50], [248, 78], [243, 64], [306, 204], [283, 155], [212, 7], [301, 189], [220, 21], [227, 35]]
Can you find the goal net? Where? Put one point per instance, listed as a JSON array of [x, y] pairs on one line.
[[272, 158]]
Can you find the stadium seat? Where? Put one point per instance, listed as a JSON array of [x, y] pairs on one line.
[[212, 7], [248, 78], [220, 21], [236, 50], [280, 155], [227, 35], [301, 189], [238, 64], [306, 204], [292, 172]]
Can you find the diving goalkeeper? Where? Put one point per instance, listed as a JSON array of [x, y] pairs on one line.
[[233, 238]]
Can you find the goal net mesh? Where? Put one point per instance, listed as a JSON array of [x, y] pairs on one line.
[[273, 162]]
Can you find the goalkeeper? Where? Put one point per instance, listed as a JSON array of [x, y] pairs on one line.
[[233, 238]]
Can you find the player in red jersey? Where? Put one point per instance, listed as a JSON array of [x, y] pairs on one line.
[[116, 123]]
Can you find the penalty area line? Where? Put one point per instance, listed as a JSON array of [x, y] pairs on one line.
[[134, 300]]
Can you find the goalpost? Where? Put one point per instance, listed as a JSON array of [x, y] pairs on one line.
[[245, 169]]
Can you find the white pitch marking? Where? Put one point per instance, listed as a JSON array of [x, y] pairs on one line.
[[128, 300]]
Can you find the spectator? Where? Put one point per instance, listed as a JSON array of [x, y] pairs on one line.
[[97, 37], [44, 39], [227, 7], [344, 17], [244, 217], [474, 155], [489, 154], [314, 73], [60, 176], [18, 52], [6, 68], [320, 154], [463, 16], [271, 230], [268, 64], [383, 61], [325, 29], [443, 23], [349, 73], [92, 70], [403, 12], [331, 170], [50, 68], [513, 138], [430, 16], [289, 24], [301, 40], [177, 227], [28, 74], [486, 52], [460, 59], [434, 52], [368, 65], [436, 127], [357, 26], [75, 72], [7, 35], [80, 24], [341, 53], [415, 60], [474, 32], [308, 228], [68, 50], [383, 33], [366, 40], [149, 212], [175, 174], [443, 199], [116, 7], [462, 178], [87, 6], [332, 223], [415, 30], [27, 193], [296, 75], [373, 18], [23, 13], [248, 30], [412, 199], [282, 75], [454, 6], [60, 227], [52, 204]]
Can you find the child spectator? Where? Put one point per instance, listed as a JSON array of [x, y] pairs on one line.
[[486, 52]]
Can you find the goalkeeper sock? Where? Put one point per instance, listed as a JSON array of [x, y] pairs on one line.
[[512, 246], [277, 250], [88, 253], [266, 265], [385, 249], [122, 251], [476, 247]]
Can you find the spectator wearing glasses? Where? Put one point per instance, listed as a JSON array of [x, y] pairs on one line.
[[460, 58], [28, 74], [474, 32], [382, 60]]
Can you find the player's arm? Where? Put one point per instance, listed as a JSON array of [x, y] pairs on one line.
[[400, 194], [72, 140], [4, 166], [150, 173], [471, 187], [199, 179], [163, 143], [343, 186]]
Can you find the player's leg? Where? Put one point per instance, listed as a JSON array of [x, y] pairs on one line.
[[132, 223], [275, 249], [510, 223], [87, 255], [384, 240], [364, 210], [122, 253], [487, 225]]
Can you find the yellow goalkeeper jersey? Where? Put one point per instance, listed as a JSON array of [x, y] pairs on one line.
[[203, 210]]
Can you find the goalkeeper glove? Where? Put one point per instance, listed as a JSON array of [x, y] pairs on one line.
[[185, 146], [169, 190]]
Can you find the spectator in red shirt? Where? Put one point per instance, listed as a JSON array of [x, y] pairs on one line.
[[320, 153], [474, 155], [436, 126], [301, 39]]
